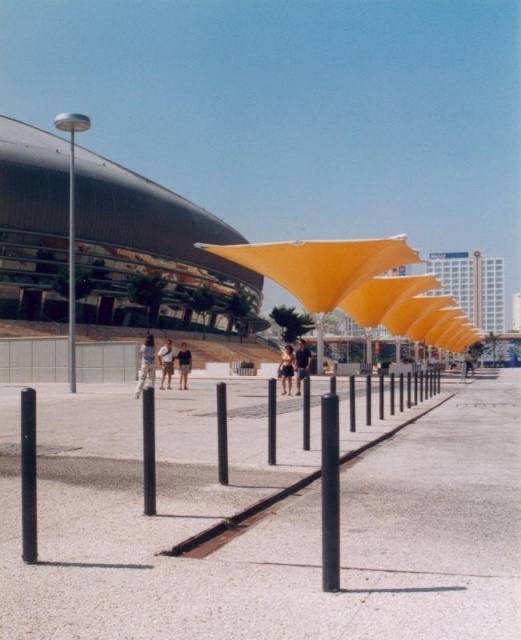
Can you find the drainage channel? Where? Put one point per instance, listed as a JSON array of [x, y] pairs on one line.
[[210, 540]]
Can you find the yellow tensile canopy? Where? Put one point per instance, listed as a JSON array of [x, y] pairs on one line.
[[371, 301], [445, 326], [400, 318], [419, 329], [319, 273]]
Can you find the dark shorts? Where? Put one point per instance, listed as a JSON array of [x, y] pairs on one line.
[[302, 373], [287, 371]]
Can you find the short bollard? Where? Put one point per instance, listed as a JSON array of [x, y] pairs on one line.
[[439, 381], [392, 381], [421, 386], [381, 395], [149, 451], [426, 385], [352, 404], [330, 494], [272, 421], [368, 403], [332, 384], [415, 388], [401, 392], [409, 390], [222, 433], [306, 414], [29, 495]]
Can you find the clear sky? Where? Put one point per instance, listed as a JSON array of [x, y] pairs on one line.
[[293, 119]]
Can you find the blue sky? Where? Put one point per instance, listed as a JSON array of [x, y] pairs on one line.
[[293, 119]]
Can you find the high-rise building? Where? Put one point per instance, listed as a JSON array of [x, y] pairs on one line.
[[476, 283], [516, 311]]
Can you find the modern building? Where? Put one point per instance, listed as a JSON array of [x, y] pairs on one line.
[[125, 225], [477, 284], [516, 312]]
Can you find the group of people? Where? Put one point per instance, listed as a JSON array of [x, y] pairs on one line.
[[165, 358], [294, 364]]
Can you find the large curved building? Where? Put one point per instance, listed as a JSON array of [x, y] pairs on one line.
[[125, 225]]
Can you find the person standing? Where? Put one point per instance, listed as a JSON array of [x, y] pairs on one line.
[[287, 368], [148, 365], [184, 358], [165, 357], [304, 359], [469, 365]]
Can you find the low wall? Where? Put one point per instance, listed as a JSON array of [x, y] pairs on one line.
[[27, 360]]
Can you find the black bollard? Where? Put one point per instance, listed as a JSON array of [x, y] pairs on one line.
[[409, 390], [381, 394], [222, 433], [401, 392], [352, 404], [439, 381], [427, 384], [149, 451], [332, 384], [421, 386], [415, 387], [272, 421], [433, 389], [29, 493], [391, 378], [306, 412], [368, 400], [330, 494]]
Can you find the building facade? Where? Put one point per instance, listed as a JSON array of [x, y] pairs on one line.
[[477, 284], [125, 225]]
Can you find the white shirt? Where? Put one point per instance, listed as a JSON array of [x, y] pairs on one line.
[[166, 357]]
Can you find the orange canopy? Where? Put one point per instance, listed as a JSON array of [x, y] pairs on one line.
[[400, 318], [320, 273], [419, 329], [371, 301]]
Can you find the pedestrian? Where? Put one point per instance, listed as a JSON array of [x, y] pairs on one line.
[[165, 357], [304, 359], [469, 365], [287, 369], [184, 359], [148, 365]]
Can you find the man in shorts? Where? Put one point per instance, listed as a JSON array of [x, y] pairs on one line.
[[304, 360], [165, 355]]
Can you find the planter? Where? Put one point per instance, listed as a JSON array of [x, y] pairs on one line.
[[246, 371]]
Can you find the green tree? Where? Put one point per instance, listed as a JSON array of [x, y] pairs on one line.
[[83, 282], [239, 307], [147, 291], [202, 301], [294, 324], [492, 339]]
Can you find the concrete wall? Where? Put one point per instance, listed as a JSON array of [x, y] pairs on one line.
[[46, 360]]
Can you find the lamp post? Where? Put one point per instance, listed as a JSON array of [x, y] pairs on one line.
[[72, 122]]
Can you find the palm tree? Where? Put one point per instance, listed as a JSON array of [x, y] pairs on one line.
[[202, 301]]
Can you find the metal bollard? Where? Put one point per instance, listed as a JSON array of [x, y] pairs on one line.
[[409, 389], [149, 451], [272, 421], [332, 384], [368, 400], [381, 395], [306, 412], [29, 489], [439, 381], [330, 494], [427, 385], [222, 433], [392, 381], [401, 392], [421, 386], [415, 387], [352, 404]]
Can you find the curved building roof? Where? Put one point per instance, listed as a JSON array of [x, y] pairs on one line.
[[114, 206]]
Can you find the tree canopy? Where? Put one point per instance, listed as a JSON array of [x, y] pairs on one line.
[[294, 324]]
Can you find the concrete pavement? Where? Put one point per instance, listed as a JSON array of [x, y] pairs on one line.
[[429, 539]]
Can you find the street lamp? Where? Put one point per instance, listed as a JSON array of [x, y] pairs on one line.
[[72, 122]]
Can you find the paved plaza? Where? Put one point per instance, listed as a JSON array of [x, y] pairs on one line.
[[429, 516]]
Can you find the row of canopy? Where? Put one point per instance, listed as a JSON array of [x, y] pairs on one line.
[[346, 274]]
